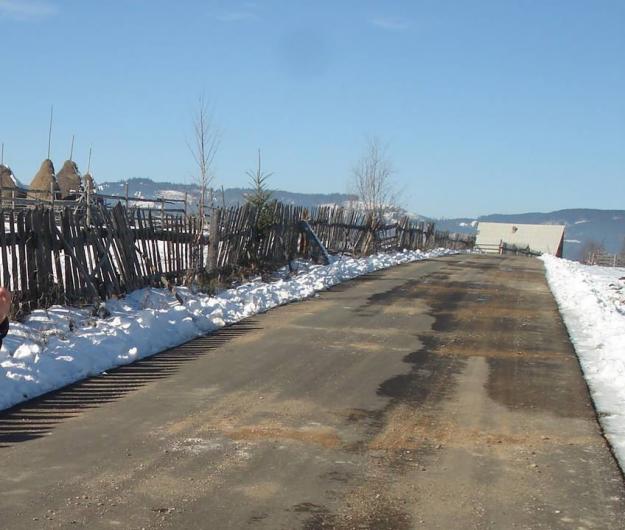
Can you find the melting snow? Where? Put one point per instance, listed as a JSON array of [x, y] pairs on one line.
[[592, 303], [56, 347]]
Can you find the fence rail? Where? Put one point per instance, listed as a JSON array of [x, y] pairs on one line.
[[604, 259], [70, 256], [506, 249]]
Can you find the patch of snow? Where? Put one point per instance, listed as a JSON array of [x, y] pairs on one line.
[[592, 303], [58, 346], [474, 223], [171, 194], [572, 241], [581, 221]]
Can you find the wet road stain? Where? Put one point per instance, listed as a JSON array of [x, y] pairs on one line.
[[520, 384]]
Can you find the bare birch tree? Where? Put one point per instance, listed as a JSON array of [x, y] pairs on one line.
[[203, 147], [206, 140], [372, 179]]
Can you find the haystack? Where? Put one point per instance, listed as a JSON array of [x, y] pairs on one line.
[[69, 180], [43, 181], [7, 180], [8, 183], [89, 183]]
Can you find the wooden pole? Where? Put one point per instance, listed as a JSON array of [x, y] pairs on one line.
[[89, 162], [50, 130], [2, 155], [71, 149], [89, 206], [213, 239], [126, 195], [185, 203]]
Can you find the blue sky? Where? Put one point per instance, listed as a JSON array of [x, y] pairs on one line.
[[486, 106]]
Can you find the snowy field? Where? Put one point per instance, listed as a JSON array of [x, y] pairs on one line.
[[56, 347], [592, 303]]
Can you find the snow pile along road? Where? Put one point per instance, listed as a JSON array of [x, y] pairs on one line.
[[56, 347], [592, 303]]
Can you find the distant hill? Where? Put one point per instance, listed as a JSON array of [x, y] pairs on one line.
[[147, 188], [582, 225]]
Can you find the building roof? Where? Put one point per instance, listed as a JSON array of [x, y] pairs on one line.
[[539, 238]]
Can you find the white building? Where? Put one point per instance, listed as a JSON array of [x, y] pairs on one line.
[[545, 239]]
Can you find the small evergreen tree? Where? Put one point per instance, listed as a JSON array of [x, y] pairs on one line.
[[260, 198], [260, 195]]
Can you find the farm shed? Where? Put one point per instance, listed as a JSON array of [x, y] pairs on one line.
[[546, 239]]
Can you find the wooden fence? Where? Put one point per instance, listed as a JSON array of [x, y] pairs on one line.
[[353, 232], [18, 198], [603, 259], [48, 256]]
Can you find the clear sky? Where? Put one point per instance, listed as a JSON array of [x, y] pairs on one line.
[[486, 106]]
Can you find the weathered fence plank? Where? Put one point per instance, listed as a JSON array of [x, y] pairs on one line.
[[62, 256]]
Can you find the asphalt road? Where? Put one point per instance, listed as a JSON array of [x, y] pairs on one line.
[[442, 394]]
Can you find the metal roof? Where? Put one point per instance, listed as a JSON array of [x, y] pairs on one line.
[[540, 238]]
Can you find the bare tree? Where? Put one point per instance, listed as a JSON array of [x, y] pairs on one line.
[[590, 250], [206, 140], [372, 179]]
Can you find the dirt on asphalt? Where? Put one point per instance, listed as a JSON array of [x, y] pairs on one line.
[[441, 394]]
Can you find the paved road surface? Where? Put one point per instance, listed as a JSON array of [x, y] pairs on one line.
[[443, 394]]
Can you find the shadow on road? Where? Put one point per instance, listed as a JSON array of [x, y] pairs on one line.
[[38, 417]]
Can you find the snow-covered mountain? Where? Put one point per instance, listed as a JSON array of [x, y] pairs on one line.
[[147, 188], [582, 225]]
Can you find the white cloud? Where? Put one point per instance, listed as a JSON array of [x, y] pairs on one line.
[[390, 23], [26, 9]]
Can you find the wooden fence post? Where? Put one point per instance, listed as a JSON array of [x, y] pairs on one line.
[[213, 239]]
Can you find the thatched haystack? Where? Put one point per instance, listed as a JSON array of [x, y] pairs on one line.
[[69, 180], [89, 183], [43, 181], [9, 184]]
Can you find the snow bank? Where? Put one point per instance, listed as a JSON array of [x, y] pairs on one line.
[[56, 347], [592, 303]]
